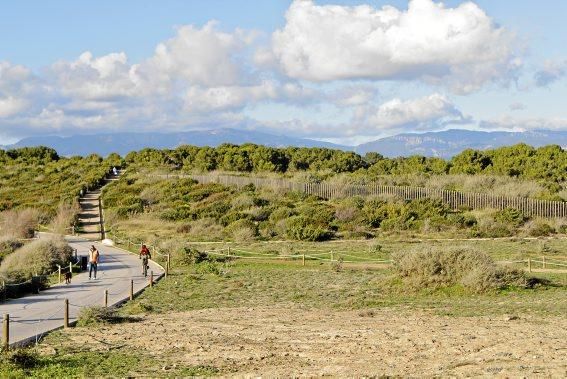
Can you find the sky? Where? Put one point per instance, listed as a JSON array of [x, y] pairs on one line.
[[345, 71]]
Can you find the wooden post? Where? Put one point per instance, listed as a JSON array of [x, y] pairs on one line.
[[543, 261], [6, 333], [529, 265], [303, 260], [59, 273], [228, 250], [66, 314], [151, 278], [132, 289], [105, 298]]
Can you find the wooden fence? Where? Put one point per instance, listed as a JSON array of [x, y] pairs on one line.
[[455, 199]]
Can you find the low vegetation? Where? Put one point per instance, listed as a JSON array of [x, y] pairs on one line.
[[39, 257], [182, 208], [471, 269]]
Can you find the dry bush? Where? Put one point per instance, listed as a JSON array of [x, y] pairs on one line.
[[206, 229], [242, 202], [538, 228], [436, 268], [65, 218], [151, 195], [346, 213], [36, 258], [19, 223]]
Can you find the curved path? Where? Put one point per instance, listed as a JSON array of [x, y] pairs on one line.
[[34, 315]]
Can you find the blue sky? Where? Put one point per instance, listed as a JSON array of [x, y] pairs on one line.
[[348, 71]]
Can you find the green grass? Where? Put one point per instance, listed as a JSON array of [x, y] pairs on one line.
[[320, 286], [68, 363]]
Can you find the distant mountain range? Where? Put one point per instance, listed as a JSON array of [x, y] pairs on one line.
[[451, 142], [443, 144], [123, 143]]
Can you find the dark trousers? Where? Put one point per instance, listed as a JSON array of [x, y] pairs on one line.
[[93, 267]]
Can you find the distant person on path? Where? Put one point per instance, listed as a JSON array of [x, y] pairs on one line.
[[114, 171], [93, 260], [145, 256]]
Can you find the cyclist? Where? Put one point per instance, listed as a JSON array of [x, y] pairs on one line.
[[145, 256]]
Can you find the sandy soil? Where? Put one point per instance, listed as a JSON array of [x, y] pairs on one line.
[[299, 342]]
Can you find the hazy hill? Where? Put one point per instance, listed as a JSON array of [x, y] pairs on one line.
[[451, 142], [123, 143], [443, 144]]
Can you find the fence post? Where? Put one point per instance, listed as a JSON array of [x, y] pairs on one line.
[[59, 273], [303, 260], [66, 314], [105, 298], [529, 265], [6, 333], [151, 279], [131, 289]]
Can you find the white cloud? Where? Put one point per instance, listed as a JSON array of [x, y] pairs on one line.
[[10, 106], [205, 56], [517, 106], [104, 78], [550, 73], [426, 113], [526, 123], [458, 47]]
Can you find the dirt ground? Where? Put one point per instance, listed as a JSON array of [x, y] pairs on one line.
[[251, 342]]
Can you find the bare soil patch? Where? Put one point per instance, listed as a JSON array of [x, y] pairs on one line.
[[293, 341]]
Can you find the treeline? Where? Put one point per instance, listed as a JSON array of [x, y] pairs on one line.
[[522, 161]]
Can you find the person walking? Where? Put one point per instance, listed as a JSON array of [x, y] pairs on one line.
[[145, 256], [93, 260]]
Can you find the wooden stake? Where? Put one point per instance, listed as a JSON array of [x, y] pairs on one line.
[[59, 273], [105, 298], [6, 334], [151, 278], [167, 263], [303, 260], [529, 265], [66, 314], [132, 289]]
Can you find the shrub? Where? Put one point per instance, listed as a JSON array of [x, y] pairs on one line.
[[511, 216], [20, 223], [39, 257], [474, 270], [8, 246], [302, 229], [539, 229], [99, 315], [242, 230], [191, 256]]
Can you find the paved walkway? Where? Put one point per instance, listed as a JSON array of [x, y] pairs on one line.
[[34, 315], [89, 216]]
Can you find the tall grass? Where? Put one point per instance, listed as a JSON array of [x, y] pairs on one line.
[[66, 216]]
